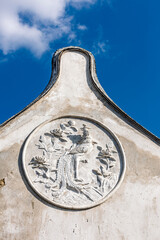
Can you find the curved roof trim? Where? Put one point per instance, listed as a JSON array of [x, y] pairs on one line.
[[92, 67]]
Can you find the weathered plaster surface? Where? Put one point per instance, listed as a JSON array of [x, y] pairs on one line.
[[133, 212]]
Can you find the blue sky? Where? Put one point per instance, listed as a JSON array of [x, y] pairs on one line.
[[123, 35]]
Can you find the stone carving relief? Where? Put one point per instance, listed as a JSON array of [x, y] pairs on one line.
[[73, 163]]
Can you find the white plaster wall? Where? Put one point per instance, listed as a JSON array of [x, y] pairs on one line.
[[133, 212]]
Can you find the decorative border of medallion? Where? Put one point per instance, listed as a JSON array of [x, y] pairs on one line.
[[73, 162]]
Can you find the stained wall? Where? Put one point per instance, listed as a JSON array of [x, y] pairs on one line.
[[132, 212]]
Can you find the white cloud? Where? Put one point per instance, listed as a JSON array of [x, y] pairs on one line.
[[33, 24], [71, 37], [102, 47], [81, 27]]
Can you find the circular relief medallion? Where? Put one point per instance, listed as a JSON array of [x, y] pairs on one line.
[[73, 162]]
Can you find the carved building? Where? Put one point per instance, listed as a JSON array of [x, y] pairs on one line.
[[73, 165]]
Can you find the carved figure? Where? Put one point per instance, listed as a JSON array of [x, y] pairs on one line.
[[65, 150], [85, 145]]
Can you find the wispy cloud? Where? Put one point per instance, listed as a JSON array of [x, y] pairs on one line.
[[81, 27], [33, 24], [102, 47], [100, 44]]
